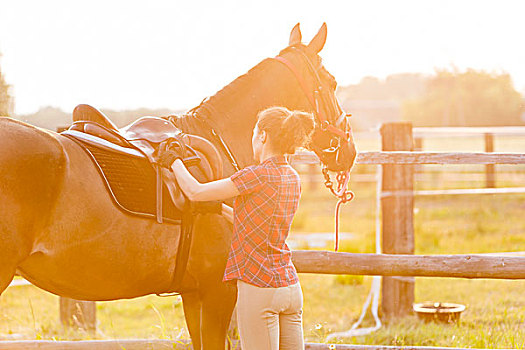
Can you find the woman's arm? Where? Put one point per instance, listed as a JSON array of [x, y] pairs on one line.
[[195, 191]]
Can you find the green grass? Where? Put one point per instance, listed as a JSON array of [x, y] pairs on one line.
[[495, 315], [30, 313]]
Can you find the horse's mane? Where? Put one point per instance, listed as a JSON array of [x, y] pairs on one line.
[[232, 111], [216, 107]]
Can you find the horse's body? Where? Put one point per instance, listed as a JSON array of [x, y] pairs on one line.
[[78, 243], [60, 229]]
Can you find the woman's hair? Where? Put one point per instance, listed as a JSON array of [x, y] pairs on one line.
[[287, 129]]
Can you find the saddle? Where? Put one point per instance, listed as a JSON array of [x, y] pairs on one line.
[[138, 145]]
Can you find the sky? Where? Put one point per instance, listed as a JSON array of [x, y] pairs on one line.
[[172, 54]]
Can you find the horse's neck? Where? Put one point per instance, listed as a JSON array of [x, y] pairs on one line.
[[232, 112]]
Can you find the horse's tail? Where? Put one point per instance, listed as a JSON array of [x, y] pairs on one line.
[[32, 168]]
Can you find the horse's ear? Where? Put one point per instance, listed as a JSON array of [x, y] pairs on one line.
[[295, 35], [317, 43]]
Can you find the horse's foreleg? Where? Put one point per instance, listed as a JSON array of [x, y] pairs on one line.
[[217, 307], [5, 279], [8, 262], [13, 249], [192, 304]]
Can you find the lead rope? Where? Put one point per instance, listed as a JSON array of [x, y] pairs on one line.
[[373, 296], [342, 192]]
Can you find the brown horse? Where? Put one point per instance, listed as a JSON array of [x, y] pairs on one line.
[[60, 229]]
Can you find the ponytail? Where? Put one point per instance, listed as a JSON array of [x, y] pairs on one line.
[[287, 129]]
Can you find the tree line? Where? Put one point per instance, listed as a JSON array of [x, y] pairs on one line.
[[6, 101], [447, 98], [469, 98]]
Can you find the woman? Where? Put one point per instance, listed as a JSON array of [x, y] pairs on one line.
[[269, 297]]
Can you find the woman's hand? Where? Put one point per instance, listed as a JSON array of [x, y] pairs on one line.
[[195, 191]]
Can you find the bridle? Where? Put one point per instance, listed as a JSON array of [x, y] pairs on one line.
[[318, 99]]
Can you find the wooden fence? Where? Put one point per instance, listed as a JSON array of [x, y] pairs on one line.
[[487, 134], [397, 204]]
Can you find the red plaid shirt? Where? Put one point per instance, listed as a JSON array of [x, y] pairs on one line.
[[263, 213]]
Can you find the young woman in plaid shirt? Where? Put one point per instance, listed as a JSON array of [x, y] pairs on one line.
[[269, 297]]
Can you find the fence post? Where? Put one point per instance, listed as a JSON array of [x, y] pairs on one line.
[[78, 314], [490, 173], [313, 173], [397, 218], [418, 146]]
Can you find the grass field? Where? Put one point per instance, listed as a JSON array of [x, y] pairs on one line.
[[495, 315], [494, 318]]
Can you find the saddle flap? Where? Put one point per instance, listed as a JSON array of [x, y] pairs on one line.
[[99, 131], [203, 171], [209, 154]]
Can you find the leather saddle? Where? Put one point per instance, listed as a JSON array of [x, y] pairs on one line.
[[141, 140]]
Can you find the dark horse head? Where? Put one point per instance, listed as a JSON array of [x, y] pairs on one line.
[[332, 140], [296, 79]]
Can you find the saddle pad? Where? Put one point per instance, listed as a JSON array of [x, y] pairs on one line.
[[131, 182]]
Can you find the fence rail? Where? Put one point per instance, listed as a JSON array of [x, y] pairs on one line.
[[141, 344], [450, 132], [400, 157], [458, 131], [461, 266]]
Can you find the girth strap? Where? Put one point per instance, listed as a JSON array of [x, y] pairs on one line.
[[183, 251], [184, 245], [158, 170]]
